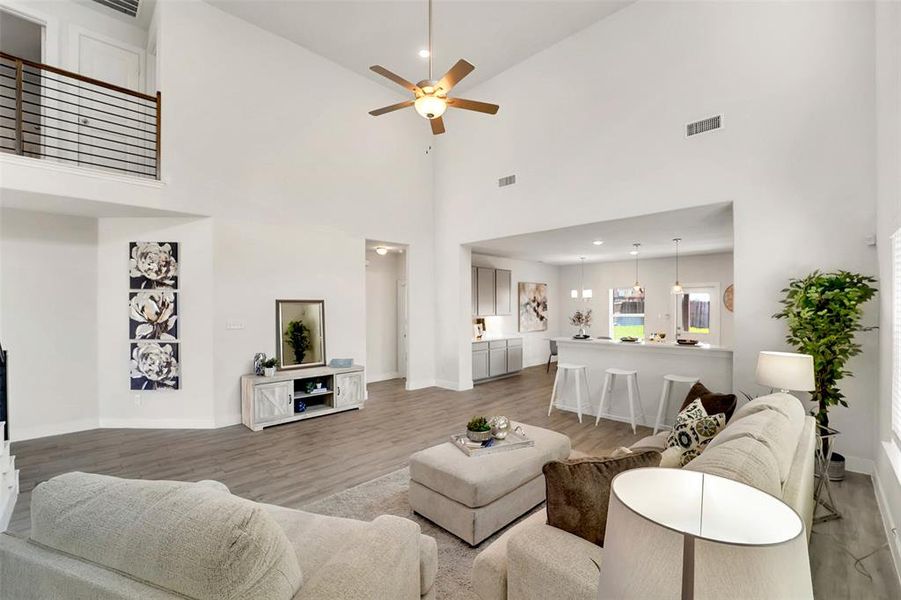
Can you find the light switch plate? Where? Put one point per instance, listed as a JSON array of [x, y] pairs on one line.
[[234, 324]]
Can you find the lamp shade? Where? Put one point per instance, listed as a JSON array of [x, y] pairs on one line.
[[786, 371], [729, 539]]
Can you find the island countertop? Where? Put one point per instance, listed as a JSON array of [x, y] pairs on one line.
[[707, 349]]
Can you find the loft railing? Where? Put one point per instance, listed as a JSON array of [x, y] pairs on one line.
[[53, 114]]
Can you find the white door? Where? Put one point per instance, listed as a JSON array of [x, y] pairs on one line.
[[273, 401], [348, 389], [402, 328], [697, 313], [115, 130]]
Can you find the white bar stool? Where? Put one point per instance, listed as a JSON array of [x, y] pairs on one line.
[[634, 393], [581, 373], [668, 381]]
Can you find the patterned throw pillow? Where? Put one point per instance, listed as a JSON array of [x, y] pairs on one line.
[[693, 430]]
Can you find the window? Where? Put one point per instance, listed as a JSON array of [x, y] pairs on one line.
[[626, 313], [696, 311], [896, 336]]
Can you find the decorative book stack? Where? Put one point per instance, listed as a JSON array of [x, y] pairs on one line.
[[9, 481]]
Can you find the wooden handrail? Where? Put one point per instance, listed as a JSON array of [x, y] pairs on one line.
[[78, 77]]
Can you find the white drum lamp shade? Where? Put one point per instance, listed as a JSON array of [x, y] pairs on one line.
[[786, 371], [673, 533]]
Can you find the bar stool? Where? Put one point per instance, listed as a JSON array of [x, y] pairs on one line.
[[581, 373], [634, 393], [668, 381]]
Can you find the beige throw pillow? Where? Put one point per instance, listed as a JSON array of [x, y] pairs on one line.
[[693, 430]]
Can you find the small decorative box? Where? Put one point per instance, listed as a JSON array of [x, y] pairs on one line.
[[341, 363]]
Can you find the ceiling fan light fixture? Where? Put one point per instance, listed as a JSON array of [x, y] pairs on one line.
[[430, 107]]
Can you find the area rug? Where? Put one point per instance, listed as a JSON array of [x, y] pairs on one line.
[[387, 495]]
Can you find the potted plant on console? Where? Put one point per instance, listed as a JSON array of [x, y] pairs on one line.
[[269, 367], [823, 313], [478, 429]]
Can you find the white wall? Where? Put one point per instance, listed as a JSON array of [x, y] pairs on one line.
[[192, 405], [382, 275], [796, 157], [535, 343], [887, 473], [48, 321], [657, 276]]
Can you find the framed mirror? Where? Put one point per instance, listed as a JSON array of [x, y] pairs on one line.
[[300, 333]]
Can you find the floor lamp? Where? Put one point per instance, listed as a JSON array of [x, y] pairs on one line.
[[674, 533]]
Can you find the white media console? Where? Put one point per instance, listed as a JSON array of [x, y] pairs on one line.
[[267, 401]]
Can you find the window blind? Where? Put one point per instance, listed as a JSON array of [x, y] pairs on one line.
[[896, 335]]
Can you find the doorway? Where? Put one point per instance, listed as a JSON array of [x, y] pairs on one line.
[[386, 311], [697, 313], [22, 38]]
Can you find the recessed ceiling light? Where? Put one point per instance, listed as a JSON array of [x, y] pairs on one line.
[[423, 53], [598, 242], [381, 251]]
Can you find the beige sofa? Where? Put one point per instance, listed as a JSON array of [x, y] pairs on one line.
[[102, 538], [769, 444]]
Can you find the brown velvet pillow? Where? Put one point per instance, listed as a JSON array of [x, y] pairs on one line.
[[713, 403], [578, 491]]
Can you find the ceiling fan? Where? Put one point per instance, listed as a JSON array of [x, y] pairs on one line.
[[430, 96]]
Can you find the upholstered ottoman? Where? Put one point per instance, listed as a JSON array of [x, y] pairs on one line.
[[474, 496]]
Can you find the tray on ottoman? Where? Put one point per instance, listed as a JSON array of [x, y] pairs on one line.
[[514, 441]]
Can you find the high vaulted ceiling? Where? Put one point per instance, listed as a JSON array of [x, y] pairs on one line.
[[493, 35]]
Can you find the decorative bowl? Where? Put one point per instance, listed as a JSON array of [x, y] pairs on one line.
[[628, 338], [687, 342], [478, 436]]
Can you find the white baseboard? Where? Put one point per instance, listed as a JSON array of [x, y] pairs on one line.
[[891, 529], [228, 421], [18, 434], [860, 465], [158, 423], [382, 377], [447, 384], [418, 384]]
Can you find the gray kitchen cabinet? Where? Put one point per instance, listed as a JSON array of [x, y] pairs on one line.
[[486, 292], [514, 359], [479, 364], [503, 292], [497, 362], [492, 292]]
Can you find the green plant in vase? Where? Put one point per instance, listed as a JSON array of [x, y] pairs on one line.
[[478, 429], [297, 336], [823, 312]]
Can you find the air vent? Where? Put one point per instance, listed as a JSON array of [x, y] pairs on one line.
[[126, 7], [505, 181], [704, 125]]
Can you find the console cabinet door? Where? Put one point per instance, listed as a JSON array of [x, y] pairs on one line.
[[273, 401], [503, 291], [486, 293], [348, 389]]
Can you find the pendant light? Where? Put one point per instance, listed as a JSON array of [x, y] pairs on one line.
[[637, 287], [585, 292], [677, 287]]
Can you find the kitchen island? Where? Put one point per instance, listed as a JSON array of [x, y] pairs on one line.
[[711, 364]]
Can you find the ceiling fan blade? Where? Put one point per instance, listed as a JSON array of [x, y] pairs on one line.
[[456, 73], [482, 107], [395, 78], [437, 125], [392, 108]]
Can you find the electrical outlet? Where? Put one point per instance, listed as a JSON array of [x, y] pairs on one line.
[[137, 398]]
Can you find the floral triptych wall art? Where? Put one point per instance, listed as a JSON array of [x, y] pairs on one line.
[[153, 315]]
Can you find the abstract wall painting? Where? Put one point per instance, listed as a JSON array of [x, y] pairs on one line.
[[532, 307], [153, 320]]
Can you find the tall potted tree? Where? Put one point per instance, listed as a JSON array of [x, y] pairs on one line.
[[823, 312]]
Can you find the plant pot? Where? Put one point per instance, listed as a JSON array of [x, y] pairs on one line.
[[836, 469], [478, 436], [268, 371]]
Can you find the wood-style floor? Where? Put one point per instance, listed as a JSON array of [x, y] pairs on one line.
[[297, 463]]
